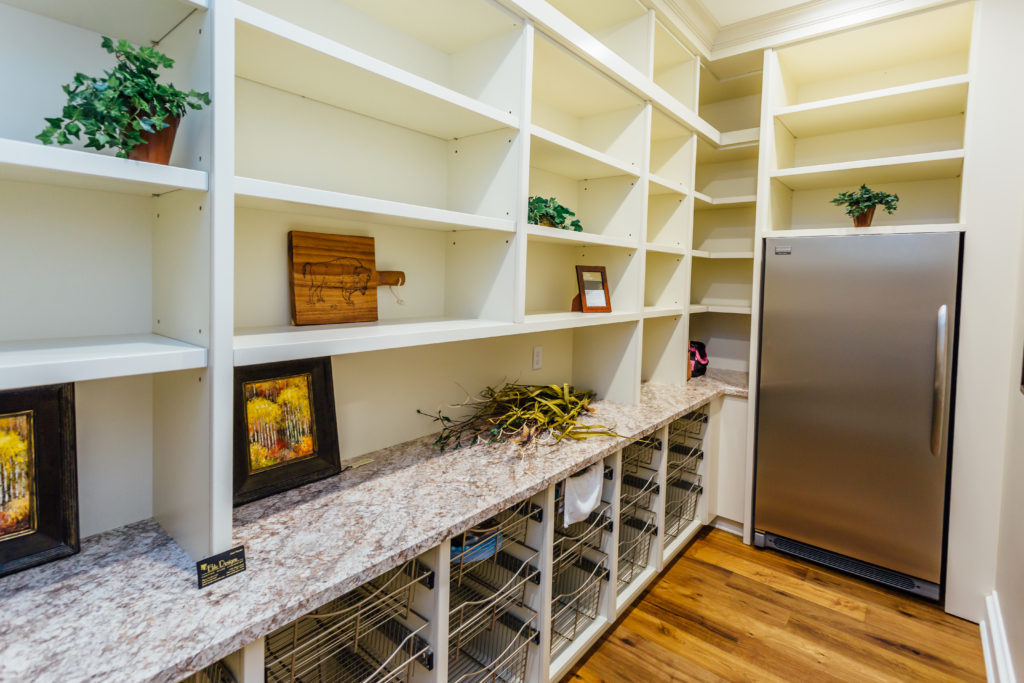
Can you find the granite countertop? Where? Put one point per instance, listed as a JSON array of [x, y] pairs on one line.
[[127, 608]]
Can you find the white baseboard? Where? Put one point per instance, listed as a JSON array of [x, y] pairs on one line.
[[727, 525], [998, 662]]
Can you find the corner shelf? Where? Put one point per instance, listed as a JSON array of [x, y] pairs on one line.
[[873, 230], [704, 202], [658, 185], [666, 249], [288, 57], [54, 361], [558, 154], [929, 166], [916, 102], [542, 233], [36, 163], [723, 254], [272, 196], [718, 308], [663, 311]]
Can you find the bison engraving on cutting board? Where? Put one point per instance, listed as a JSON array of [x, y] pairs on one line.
[[346, 273]]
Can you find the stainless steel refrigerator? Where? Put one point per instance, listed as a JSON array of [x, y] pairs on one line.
[[858, 338]]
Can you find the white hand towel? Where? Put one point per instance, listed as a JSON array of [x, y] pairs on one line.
[[583, 493]]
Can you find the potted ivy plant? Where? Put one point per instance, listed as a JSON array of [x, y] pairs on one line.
[[861, 204], [547, 211], [127, 109]]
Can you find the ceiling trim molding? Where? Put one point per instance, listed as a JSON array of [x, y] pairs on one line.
[[814, 18], [690, 21]]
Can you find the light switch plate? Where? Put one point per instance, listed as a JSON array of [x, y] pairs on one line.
[[538, 357]]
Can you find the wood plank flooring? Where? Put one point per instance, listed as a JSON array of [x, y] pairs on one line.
[[724, 611]]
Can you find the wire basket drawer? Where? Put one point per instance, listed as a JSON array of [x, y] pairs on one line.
[[577, 601], [681, 503], [635, 536], [360, 637], [690, 425], [640, 454], [684, 455], [488, 537], [218, 672], [571, 542], [498, 654], [483, 591], [638, 490]]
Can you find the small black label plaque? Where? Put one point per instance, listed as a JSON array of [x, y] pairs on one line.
[[220, 566]]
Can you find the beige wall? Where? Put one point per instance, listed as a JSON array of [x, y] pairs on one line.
[[990, 352]]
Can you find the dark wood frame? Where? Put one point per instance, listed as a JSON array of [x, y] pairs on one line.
[[56, 477], [326, 460], [582, 297]]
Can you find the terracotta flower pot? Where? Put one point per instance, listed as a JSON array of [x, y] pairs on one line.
[[157, 149], [864, 220]]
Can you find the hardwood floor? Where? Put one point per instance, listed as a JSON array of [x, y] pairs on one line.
[[725, 611]]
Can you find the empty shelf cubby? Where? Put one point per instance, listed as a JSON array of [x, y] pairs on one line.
[[369, 634]]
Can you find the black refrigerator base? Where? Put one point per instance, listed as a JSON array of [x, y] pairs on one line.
[[849, 565]]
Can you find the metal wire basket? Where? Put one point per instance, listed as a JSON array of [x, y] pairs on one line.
[[572, 541], [684, 458], [638, 490], [635, 536], [484, 591], [681, 503], [360, 636], [488, 537], [498, 654], [217, 672], [577, 601], [640, 453], [691, 425]]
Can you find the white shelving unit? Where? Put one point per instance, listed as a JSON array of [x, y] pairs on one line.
[[425, 126]]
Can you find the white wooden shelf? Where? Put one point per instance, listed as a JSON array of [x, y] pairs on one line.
[[697, 253], [543, 233], [36, 163], [673, 249], [743, 137], [932, 99], [910, 167], [267, 345], [704, 201], [873, 230], [663, 311], [54, 361], [128, 19], [660, 185], [272, 196], [283, 55], [738, 309], [558, 154], [544, 322]]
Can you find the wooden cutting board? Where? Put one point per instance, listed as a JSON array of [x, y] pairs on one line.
[[333, 278]]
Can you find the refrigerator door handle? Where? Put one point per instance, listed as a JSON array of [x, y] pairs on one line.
[[939, 386]]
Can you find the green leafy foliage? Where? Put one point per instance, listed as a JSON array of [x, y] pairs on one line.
[[520, 413], [547, 211], [861, 201], [113, 111]]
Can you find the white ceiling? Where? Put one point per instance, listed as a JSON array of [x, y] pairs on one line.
[[730, 11]]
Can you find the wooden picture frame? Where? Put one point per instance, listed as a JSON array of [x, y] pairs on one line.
[[593, 294], [39, 501], [286, 432]]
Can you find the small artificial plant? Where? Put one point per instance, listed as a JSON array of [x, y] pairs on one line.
[[547, 211], [864, 201], [113, 111]]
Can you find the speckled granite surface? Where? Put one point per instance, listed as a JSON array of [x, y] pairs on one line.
[[126, 608]]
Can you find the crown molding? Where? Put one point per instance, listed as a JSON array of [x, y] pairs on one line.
[[690, 21], [814, 18]]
